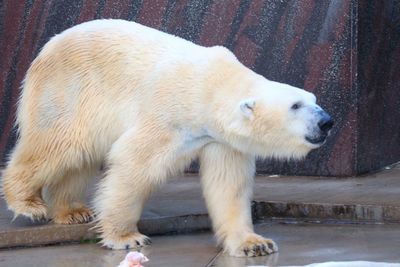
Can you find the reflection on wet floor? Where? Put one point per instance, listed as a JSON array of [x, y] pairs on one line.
[[300, 244], [348, 264]]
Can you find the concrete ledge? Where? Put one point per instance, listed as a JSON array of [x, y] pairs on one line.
[[53, 233], [44, 235], [178, 224], [320, 212]]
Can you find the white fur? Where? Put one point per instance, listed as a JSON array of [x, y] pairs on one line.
[[147, 103]]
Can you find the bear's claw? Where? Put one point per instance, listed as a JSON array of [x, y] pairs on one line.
[[34, 208], [256, 245], [130, 241], [74, 216]]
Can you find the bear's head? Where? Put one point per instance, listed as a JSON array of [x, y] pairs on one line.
[[277, 120]]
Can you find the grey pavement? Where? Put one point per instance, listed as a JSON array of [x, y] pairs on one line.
[[299, 244], [381, 188], [179, 206]]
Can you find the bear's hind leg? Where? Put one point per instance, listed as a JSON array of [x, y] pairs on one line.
[[65, 198], [227, 180], [22, 190]]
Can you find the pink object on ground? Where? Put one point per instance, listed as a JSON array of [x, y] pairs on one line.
[[133, 259]]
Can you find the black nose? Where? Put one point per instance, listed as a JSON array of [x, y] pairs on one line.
[[326, 122]]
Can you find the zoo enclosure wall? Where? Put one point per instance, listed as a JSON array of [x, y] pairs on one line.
[[347, 52]]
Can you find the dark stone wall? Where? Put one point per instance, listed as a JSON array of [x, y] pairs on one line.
[[378, 71], [331, 48]]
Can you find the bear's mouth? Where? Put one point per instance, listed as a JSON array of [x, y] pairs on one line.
[[319, 140]]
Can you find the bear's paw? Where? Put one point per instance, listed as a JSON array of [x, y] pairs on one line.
[[33, 208], [255, 245], [74, 216], [128, 241]]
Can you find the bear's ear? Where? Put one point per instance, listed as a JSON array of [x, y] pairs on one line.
[[247, 108]]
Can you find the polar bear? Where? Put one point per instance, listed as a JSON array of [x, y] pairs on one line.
[[145, 104]]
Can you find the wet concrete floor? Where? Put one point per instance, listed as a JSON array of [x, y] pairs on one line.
[[299, 244]]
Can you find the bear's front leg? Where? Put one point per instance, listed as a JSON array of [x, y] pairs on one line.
[[227, 180], [137, 164]]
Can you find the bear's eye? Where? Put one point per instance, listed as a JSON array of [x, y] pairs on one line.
[[296, 106]]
